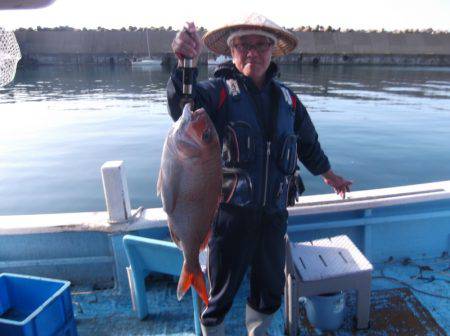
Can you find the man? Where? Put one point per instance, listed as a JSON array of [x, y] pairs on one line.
[[262, 127]]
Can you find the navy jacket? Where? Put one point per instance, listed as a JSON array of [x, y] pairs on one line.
[[275, 118]]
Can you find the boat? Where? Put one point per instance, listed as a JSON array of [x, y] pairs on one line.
[[218, 60], [403, 231], [145, 61]]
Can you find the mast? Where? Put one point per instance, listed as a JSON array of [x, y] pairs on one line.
[[148, 45]]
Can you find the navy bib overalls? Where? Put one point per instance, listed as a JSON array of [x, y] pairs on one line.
[[259, 160]]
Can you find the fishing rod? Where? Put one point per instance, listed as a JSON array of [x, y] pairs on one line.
[[188, 80]]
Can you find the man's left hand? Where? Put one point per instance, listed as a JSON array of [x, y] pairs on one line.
[[338, 183]]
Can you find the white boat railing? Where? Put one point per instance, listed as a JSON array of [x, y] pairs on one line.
[[119, 216]]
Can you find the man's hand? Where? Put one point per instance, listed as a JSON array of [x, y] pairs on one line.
[[339, 184], [187, 43]]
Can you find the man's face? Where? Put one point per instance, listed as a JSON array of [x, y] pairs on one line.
[[251, 55]]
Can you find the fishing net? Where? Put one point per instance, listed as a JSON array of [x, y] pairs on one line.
[[9, 56]]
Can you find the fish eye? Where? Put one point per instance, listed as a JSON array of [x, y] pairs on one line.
[[206, 136]]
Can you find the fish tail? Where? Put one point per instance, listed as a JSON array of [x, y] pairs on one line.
[[195, 279]]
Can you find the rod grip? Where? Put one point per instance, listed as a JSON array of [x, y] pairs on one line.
[[188, 76]]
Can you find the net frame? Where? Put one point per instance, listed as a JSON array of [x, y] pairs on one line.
[[9, 56]]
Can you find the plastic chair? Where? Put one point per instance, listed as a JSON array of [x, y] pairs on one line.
[[325, 266], [151, 255]]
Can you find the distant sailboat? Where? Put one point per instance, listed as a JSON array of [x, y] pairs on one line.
[[218, 60], [146, 61]]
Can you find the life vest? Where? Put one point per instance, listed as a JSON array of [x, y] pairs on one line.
[[258, 163]]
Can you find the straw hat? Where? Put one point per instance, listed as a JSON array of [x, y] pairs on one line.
[[216, 40]]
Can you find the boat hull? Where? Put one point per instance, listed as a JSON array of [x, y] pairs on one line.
[[406, 222]]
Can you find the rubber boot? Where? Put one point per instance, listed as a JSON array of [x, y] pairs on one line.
[[218, 330], [257, 323]]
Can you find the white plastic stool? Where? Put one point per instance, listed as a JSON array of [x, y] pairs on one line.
[[325, 266]]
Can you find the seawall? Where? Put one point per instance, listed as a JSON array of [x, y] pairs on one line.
[[120, 47]]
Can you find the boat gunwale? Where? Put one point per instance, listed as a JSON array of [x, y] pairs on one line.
[[157, 218]]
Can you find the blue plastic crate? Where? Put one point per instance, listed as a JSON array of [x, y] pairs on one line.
[[33, 306]]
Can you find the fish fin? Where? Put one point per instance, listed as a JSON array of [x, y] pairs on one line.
[[205, 242], [174, 237], [200, 286], [196, 280], [168, 184]]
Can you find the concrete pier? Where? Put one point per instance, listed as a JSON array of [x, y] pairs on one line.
[[120, 47]]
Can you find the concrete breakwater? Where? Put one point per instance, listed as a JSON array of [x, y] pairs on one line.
[[120, 47]]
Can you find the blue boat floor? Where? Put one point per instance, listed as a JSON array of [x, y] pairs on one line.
[[106, 312]]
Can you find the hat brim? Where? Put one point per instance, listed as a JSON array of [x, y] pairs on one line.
[[216, 40]]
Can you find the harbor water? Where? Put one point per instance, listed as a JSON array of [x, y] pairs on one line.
[[380, 127]]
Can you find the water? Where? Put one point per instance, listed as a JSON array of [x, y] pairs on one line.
[[380, 127]]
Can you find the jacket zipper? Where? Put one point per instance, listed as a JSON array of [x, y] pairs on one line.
[[266, 173], [263, 128]]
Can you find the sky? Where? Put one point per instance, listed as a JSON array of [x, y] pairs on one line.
[[355, 14]]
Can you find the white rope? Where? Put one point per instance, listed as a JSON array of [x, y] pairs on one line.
[[9, 56]]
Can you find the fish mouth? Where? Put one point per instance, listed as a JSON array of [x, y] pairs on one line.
[[187, 112], [190, 116], [194, 131], [199, 122], [200, 113]]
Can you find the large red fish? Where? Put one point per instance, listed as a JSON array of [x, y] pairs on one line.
[[189, 183]]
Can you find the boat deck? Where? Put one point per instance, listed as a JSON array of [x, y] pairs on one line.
[[408, 298]]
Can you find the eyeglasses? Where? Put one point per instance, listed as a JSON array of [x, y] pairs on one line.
[[246, 47]]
